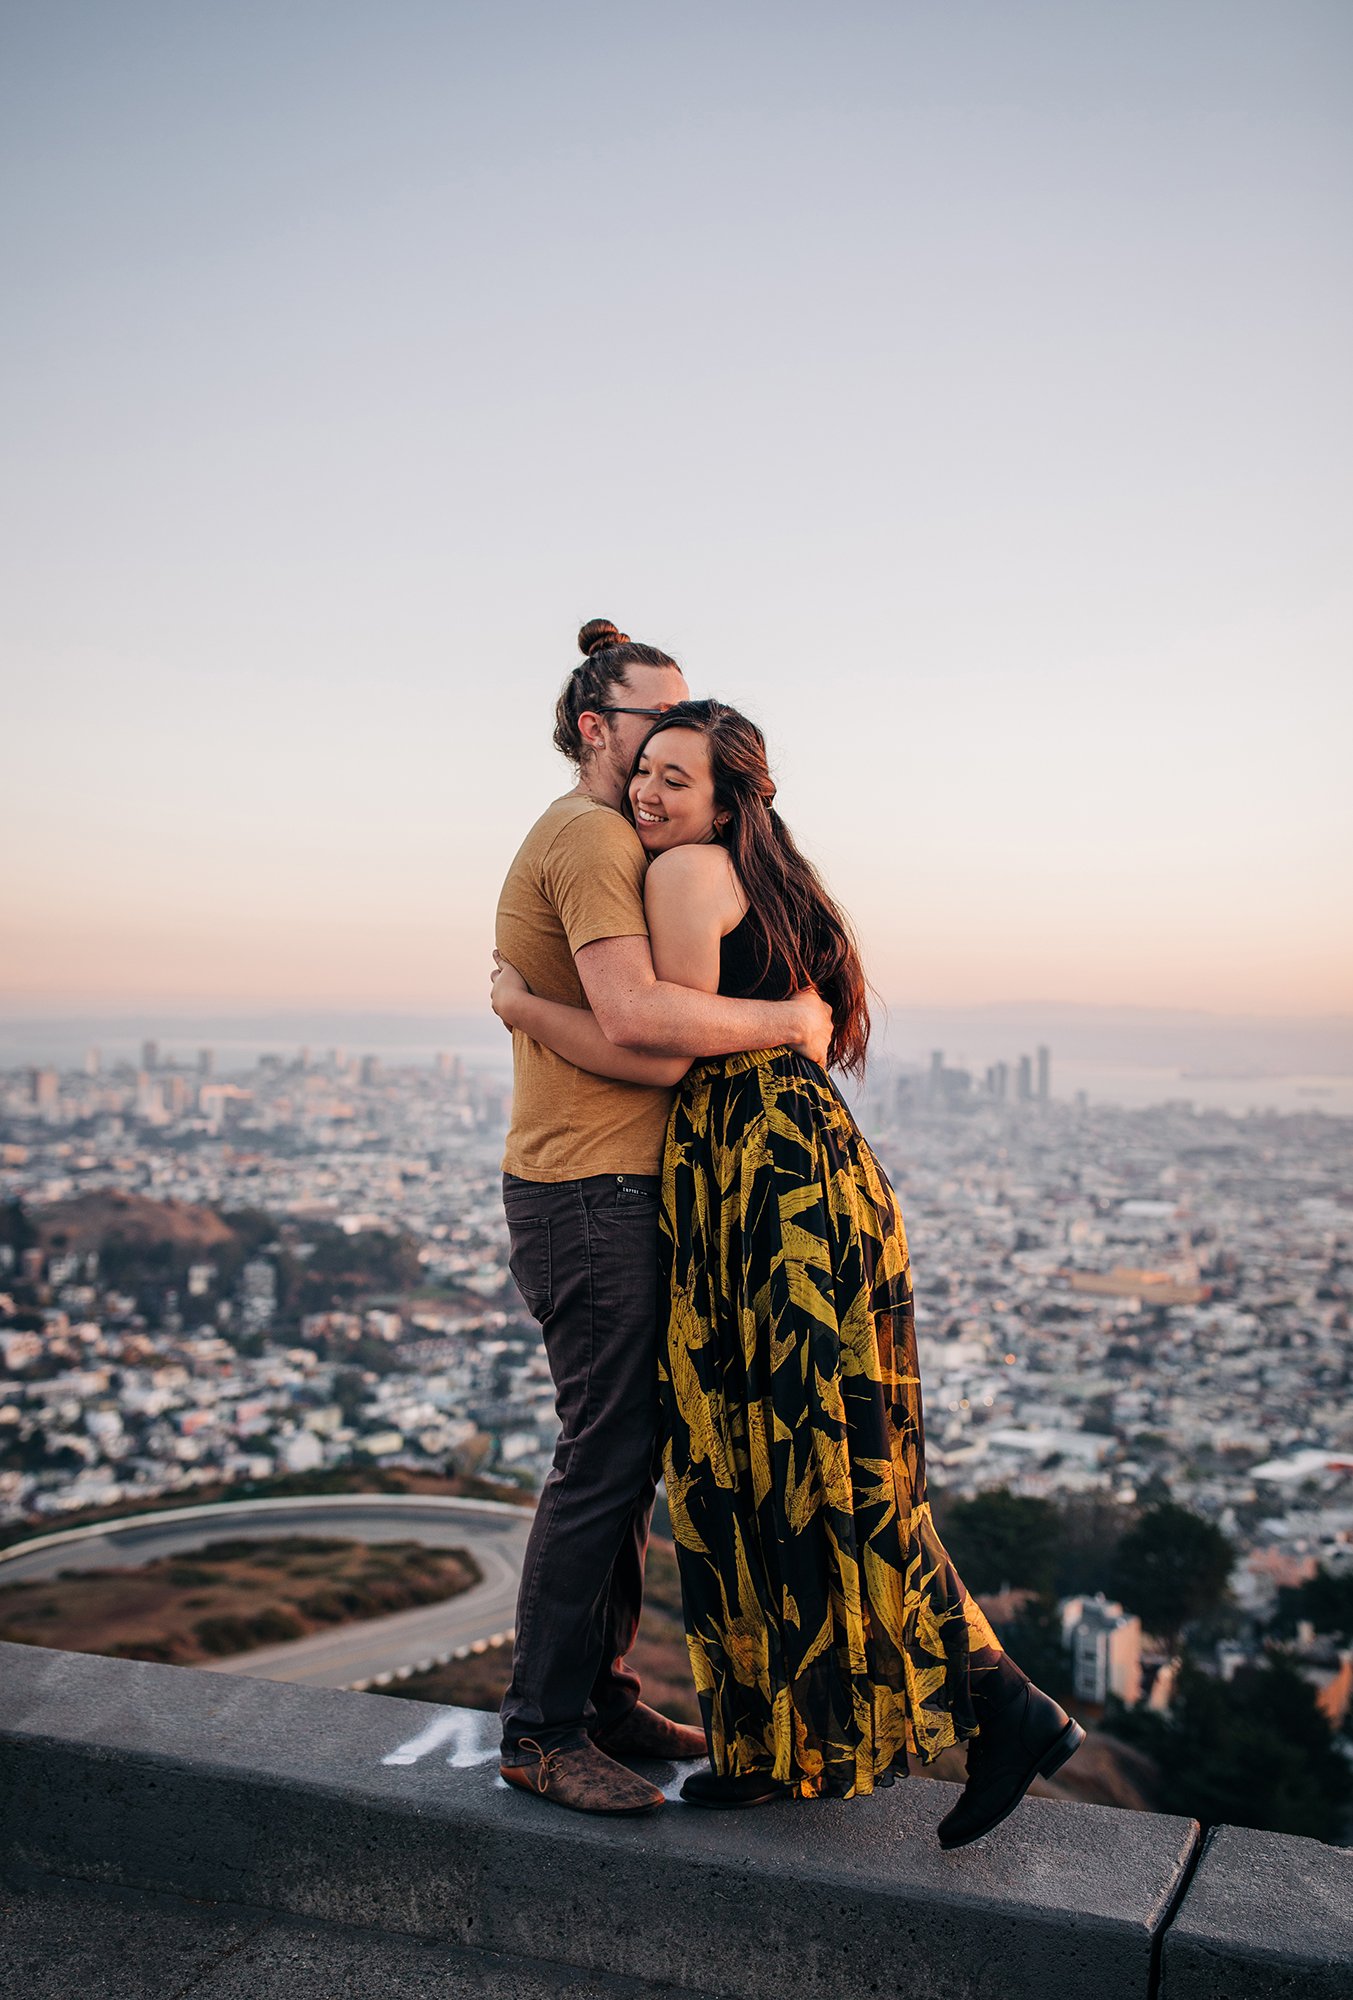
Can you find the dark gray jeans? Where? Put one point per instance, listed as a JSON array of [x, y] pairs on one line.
[[585, 1258]]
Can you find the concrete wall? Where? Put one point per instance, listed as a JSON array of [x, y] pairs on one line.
[[368, 1811]]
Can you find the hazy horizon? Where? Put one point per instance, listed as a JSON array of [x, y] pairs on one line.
[[963, 392], [1194, 1043]]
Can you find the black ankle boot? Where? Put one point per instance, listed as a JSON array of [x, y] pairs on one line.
[[994, 1688], [753, 1788], [1028, 1736]]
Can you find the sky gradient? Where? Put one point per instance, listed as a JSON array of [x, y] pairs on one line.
[[962, 390]]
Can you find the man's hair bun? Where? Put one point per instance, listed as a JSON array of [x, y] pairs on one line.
[[598, 633], [608, 655]]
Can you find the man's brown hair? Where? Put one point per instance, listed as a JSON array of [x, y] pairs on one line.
[[607, 656]]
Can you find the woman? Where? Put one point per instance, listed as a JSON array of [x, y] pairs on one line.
[[828, 1629]]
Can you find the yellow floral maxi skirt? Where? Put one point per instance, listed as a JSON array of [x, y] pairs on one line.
[[828, 1630]]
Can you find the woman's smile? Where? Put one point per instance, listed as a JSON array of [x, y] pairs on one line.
[[672, 790]]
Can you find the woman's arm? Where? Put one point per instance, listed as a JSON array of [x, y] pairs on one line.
[[691, 899], [691, 902], [574, 1034]]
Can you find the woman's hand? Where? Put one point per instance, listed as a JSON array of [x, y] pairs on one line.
[[506, 987]]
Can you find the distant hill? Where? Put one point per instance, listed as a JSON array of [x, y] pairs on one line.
[[106, 1217], [147, 1248]]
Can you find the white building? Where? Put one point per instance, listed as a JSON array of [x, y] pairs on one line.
[[1105, 1644], [301, 1452]]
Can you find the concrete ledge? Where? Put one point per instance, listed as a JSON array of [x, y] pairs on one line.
[[59, 1939], [369, 1811], [1265, 1915]]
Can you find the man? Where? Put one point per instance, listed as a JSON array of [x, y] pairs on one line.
[[581, 1187]]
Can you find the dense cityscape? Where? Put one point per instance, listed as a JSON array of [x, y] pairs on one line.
[[210, 1279]]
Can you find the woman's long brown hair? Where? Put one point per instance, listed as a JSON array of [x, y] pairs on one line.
[[789, 906]]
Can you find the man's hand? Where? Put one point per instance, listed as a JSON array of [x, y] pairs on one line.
[[816, 1033], [505, 984]]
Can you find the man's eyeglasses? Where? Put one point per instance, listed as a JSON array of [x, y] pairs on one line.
[[654, 714]]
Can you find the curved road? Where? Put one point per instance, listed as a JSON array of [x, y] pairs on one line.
[[356, 1655]]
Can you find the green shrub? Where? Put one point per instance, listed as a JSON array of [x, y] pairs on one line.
[[324, 1606], [163, 1651], [274, 1626], [224, 1634]]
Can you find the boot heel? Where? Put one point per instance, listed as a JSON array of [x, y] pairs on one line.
[[1067, 1744]]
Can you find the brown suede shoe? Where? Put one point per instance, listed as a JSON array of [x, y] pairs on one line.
[[645, 1733], [585, 1780]]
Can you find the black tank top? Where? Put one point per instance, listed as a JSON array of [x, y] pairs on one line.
[[744, 973]]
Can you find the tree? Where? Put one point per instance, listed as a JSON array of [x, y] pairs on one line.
[[340, 1271], [15, 1228], [1090, 1527], [1033, 1639], [1000, 1538], [1170, 1568], [1254, 1751], [1325, 1599], [350, 1393]]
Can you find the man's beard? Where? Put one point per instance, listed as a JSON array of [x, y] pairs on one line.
[[618, 767]]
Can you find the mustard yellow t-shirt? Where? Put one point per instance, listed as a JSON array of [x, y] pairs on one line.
[[578, 877]]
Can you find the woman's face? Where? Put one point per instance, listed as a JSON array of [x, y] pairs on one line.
[[672, 792]]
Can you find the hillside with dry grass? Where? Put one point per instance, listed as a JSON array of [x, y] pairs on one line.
[[106, 1217], [229, 1597]]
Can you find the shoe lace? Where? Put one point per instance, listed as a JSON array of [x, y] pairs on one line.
[[545, 1762]]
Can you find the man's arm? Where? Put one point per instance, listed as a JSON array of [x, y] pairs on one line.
[[574, 1033], [637, 1010]]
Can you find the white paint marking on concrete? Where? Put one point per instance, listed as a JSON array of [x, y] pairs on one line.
[[458, 1728], [427, 1740], [467, 1751]]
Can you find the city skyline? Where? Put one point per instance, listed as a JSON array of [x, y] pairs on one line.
[[203, 1284], [964, 396], [183, 1066]]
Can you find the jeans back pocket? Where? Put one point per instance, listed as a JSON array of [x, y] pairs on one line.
[[529, 1262]]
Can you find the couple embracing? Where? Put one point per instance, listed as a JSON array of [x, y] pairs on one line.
[[720, 1271]]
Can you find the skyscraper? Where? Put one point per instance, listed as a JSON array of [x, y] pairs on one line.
[[150, 1055], [1044, 1073], [1024, 1088]]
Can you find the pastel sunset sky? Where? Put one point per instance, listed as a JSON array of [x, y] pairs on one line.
[[963, 390]]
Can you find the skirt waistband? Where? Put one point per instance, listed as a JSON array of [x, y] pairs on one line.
[[701, 1072]]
